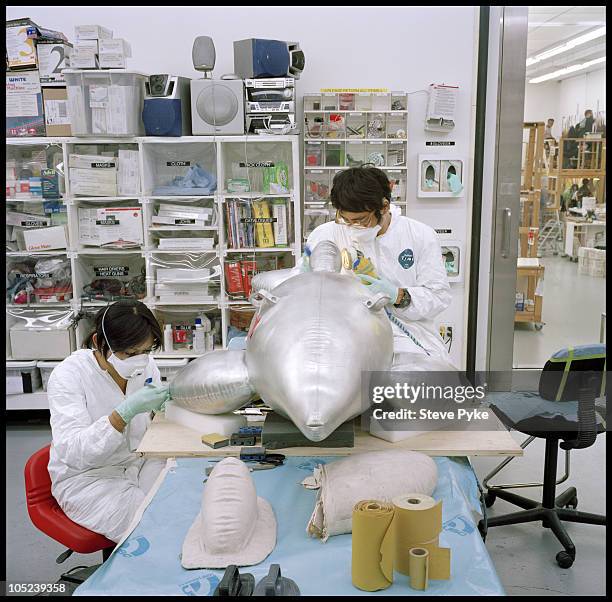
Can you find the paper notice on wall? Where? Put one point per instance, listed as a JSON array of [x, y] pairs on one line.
[[56, 112], [442, 101]]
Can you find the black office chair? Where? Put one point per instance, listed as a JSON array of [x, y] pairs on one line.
[[569, 407]]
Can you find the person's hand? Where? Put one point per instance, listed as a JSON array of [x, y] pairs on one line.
[[149, 398], [380, 285]]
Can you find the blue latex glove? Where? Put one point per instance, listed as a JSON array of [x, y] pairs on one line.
[[380, 285], [454, 183], [149, 398]]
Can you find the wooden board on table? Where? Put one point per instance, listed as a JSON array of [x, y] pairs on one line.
[[167, 439]]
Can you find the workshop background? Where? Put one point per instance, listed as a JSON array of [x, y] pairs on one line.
[[555, 297]]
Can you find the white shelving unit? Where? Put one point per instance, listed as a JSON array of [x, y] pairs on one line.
[[343, 130], [226, 157]]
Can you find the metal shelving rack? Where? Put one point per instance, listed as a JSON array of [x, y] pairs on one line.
[[76, 252]]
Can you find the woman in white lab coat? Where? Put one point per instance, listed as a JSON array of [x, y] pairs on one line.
[[101, 399], [407, 258]]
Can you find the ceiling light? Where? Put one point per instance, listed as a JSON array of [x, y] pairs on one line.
[[583, 39], [566, 71]]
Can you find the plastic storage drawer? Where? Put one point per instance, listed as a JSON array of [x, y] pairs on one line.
[[45, 371], [22, 377], [105, 102]]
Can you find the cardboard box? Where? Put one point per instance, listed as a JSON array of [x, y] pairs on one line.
[[84, 58], [22, 37], [117, 226], [92, 32], [115, 46], [87, 45], [57, 119], [93, 182], [52, 58], [24, 105], [112, 60], [43, 239]]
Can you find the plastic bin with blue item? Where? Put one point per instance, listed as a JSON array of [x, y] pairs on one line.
[[569, 407]]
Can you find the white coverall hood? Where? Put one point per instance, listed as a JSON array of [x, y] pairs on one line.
[[234, 526]]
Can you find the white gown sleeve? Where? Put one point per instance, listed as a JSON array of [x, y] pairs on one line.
[[431, 294], [79, 441]]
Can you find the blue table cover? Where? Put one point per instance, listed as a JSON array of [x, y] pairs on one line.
[[148, 562]]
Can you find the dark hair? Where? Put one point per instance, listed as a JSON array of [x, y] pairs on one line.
[[126, 323], [360, 189]]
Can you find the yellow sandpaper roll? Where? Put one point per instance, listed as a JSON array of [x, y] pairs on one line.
[[417, 523], [372, 559], [418, 561]]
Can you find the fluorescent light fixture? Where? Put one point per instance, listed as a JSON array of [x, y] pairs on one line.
[[583, 39], [566, 71]]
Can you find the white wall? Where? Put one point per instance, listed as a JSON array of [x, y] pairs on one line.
[[400, 48], [568, 97]]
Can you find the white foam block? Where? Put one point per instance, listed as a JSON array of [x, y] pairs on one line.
[[392, 436], [224, 424]]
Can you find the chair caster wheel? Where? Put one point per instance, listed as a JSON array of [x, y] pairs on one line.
[[573, 503], [564, 559], [489, 499], [482, 530]]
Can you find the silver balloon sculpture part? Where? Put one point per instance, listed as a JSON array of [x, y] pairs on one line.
[[312, 337], [269, 280], [215, 383], [326, 257]]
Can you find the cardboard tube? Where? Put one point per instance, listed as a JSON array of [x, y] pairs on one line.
[[418, 561], [372, 552], [417, 521]]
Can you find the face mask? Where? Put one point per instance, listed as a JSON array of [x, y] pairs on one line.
[[130, 367], [364, 235]]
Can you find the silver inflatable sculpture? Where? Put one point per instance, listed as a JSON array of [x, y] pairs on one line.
[[311, 338]]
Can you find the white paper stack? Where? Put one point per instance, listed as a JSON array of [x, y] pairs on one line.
[[111, 226], [182, 215], [93, 175], [187, 243]]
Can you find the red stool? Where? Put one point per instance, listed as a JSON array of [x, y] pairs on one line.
[[48, 517]]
